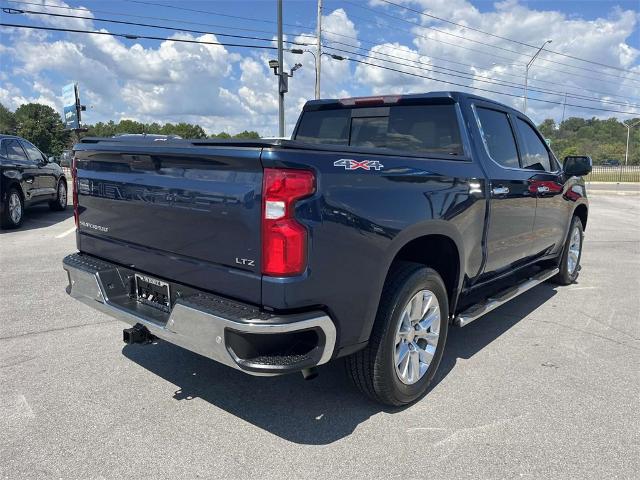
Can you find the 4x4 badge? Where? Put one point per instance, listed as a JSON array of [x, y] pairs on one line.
[[350, 164]]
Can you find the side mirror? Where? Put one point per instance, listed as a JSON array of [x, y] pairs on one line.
[[53, 160], [577, 166]]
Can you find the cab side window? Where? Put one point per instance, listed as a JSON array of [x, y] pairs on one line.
[[33, 153], [15, 151], [498, 137], [535, 155]]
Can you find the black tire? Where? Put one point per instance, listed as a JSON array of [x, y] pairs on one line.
[[8, 220], [60, 203], [566, 276], [373, 369]]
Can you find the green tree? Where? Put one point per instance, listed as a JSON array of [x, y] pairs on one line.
[[101, 129], [185, 130], [130, 126], [221, 135], [42, 126], [601, 139], [547, 128], [7, 121], [247, 135]]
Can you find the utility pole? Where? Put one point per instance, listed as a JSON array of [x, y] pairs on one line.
[[526, 74], [629, 127], [318, 49], [564, 106], [281, 78]]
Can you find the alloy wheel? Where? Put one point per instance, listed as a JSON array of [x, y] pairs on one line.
[[15, 208], [574, 251], [62, 195], [417, 337]]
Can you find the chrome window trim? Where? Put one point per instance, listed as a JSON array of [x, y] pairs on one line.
[[544, 143], [486, 148], [484, 140]]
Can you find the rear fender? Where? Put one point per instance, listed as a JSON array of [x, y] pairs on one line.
[[430, 227]]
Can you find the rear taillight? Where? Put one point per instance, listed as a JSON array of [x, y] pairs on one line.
[[284, 239], [74, 182]]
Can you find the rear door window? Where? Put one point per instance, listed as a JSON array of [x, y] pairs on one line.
[[498, 137], [413, 128], [15, 151], [535, 155]]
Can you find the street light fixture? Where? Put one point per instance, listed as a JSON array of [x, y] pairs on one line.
[[274, 65], [526, 74], [629, 127], [299, 51], [283, 77]]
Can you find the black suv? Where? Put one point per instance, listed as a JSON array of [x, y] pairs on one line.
[[27, 177]]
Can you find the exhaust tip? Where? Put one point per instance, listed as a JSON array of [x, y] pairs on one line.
[[309, 373]]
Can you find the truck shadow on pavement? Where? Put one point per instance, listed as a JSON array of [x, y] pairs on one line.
[[323, 410], [41, 216]]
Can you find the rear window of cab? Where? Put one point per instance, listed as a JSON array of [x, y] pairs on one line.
[[428, 129]]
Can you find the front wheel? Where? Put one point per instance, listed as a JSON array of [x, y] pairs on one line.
[[13, 210], [408, 337], [60, 202], [571, 254]]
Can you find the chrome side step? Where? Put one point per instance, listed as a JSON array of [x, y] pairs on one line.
[[476, 311]]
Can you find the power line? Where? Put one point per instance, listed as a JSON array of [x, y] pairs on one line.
[[306, 36], [472, 66], [505, 38], [164, 5], [129, 15], [486, 53], [432, 67], [264, 47], [131, 36], [479, 78], [493, 55], [147, 25], [439, 40], [585, 107], [376, 12]]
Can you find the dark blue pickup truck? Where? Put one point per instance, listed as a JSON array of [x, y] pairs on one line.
[[380, 223]]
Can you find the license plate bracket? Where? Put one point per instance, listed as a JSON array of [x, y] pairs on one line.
[[153, 292]]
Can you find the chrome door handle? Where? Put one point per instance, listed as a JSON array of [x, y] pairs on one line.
[[543, 189], [500, 190], [29, 180]]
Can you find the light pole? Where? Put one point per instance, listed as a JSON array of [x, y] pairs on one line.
[[629, 127], [281, 77], [316, 60], [526, 74], [318, 57]]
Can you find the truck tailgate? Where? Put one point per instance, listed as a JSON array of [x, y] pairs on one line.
[[184, 212]]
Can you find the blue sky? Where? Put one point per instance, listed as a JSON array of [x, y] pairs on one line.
[[232, 89]]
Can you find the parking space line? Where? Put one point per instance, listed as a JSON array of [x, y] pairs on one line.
[[67, 232]]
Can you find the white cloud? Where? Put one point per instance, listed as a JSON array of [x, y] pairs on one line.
[[602, 40], [222, 90]]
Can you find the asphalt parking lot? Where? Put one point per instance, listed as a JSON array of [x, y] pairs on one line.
[[547, 386]]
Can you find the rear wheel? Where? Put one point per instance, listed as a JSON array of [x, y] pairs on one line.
[[571, 254], [13, 211], [408, 337], [60, 202]]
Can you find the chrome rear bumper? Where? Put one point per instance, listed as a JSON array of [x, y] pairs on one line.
[[201, 322]]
